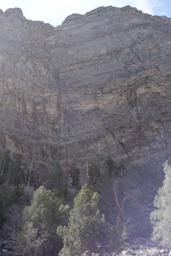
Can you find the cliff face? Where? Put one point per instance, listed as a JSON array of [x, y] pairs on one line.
[[97, 86]]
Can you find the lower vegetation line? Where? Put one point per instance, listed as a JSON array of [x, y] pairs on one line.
[[66, 218]]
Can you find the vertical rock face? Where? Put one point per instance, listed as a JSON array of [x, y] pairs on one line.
[[97, 86]]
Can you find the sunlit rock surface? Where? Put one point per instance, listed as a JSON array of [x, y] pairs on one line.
[[97, 86]]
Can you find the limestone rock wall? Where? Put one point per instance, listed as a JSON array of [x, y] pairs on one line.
[[99, 85]]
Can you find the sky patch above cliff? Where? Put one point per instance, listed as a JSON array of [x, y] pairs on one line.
[[54, 11]]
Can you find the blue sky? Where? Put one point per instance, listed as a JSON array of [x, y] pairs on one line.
[[55, 11]]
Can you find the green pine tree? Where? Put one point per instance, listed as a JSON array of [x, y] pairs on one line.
[[87, 228], [41, 218], [46, 210]]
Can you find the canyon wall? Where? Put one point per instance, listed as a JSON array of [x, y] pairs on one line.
[[95, 87]]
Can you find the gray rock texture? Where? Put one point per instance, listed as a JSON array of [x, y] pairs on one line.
[[97, 86]]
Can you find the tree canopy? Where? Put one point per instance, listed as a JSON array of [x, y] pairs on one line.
[[87, 228]]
